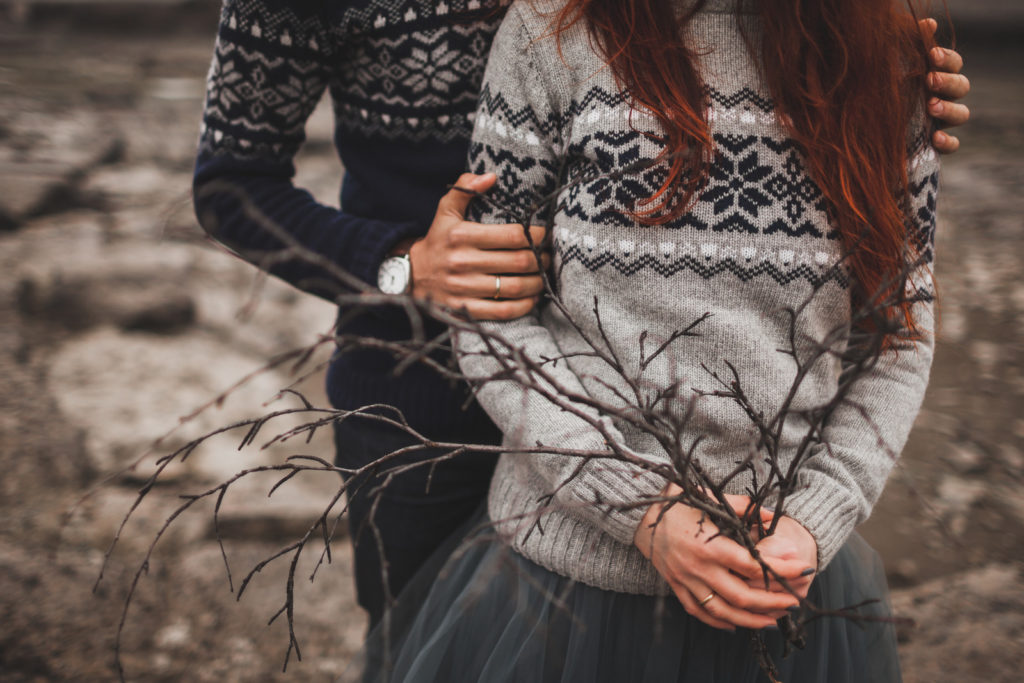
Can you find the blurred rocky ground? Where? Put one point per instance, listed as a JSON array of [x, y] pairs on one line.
[[117, 318]]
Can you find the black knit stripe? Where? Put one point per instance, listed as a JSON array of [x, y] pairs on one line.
[[705, 267]]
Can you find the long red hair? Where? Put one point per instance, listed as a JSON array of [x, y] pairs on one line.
[[848, 76]]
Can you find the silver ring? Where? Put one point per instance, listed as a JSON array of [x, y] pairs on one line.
[[707, 599], [497, 287]]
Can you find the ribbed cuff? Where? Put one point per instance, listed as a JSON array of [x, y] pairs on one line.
[[563, 542], [371, 246], [825, 509], [616, 484]]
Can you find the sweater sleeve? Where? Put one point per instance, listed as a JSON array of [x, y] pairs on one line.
[[518, 136], [271, 65], [842, 480]]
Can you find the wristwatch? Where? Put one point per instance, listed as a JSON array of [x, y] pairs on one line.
[[395, 275]]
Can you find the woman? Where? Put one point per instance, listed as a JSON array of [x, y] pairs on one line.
[[776, 172]]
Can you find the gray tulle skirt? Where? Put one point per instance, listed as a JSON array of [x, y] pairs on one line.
[[490, 615]]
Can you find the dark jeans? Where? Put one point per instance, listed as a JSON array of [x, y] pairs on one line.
[[412, 519]]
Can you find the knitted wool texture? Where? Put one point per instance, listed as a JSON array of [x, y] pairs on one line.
[[403, 77], [756, 241]]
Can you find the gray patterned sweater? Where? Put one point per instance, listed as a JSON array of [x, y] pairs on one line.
[[756, 241]]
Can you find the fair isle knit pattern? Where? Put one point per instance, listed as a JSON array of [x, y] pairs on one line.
[[403, 77], [395, 68], [756, 242]]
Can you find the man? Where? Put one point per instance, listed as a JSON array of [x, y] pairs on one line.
[[404, 76]]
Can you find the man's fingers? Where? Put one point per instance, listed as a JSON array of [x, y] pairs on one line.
[[947, 83], [493, 261], [945, 143], [948, 113], [486, 309], [495, 236], [455, 201], [928, 27], [946, 60], [485, 286], [948, 86]]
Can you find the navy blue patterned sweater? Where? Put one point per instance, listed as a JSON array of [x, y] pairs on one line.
[[404, 77]]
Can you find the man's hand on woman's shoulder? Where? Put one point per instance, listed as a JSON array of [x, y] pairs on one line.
[[947, 85]]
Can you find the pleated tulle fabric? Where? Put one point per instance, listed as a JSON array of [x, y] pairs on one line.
[[492, 616]]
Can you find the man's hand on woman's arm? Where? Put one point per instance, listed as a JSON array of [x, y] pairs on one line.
[[458, 263], [947, 85]]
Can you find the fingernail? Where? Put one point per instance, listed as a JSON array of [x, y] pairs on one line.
[[936, 107], [933, 80], [808, 571], [941, 138]]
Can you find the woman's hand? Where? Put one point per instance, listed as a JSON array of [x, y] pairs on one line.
[[458, 263], [714, 578], [790, 542], [947, 85]]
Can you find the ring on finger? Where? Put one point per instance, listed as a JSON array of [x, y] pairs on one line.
[[706, 600], [497, 288]]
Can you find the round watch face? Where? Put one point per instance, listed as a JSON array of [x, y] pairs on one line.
[[393, 276]]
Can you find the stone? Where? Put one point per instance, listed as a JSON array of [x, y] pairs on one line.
[[941, 422], [138, 397], [137, 393], [906, 571], [133, 304], [51, 156], [173, 636], [987, 356], [965, 458], [1012, 459], [955, 497], [168, 313], [134, 185]]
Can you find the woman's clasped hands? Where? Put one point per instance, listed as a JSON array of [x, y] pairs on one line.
[[715, 578]]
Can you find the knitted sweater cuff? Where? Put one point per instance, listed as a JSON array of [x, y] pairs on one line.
[[827, 510], [372, 245], [609, 491]]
